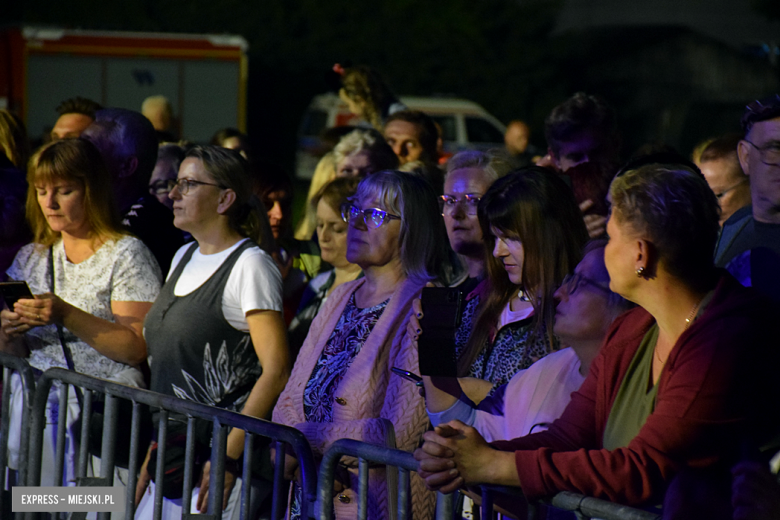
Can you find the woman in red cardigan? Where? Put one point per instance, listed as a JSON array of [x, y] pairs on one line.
[[680, 381]]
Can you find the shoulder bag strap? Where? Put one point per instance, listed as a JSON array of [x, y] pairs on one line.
[[65, 349]]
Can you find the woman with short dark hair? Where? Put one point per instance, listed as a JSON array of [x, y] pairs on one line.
[[681, 381], [216, 334]]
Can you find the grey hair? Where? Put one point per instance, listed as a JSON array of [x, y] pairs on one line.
[[424, 248], [494, 162], [171, 152], [366, 140]]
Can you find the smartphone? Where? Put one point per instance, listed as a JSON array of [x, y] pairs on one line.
[[13, 291], [442, 307], [409, 376]]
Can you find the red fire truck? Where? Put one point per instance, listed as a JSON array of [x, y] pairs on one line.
[[203, 76]]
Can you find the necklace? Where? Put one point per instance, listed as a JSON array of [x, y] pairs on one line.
[[688, 322]]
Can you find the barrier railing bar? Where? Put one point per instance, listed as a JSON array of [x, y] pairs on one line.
[[278, 500], [595, 507], [159, 473], [62, 416], [363, 488], [374, 453], [132, 471], [86, 414], [487, 504], [403, 493], [283, 435], [108, 446], [217, 476], [5, 425], [246, 474], [20, 366], [189, 462]]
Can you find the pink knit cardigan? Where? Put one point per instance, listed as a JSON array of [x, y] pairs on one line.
[[371, 403]]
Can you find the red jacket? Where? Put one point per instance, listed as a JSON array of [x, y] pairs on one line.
[[715, 390]]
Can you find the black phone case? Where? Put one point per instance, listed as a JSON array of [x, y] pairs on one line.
[[441, 317], [13, 291]]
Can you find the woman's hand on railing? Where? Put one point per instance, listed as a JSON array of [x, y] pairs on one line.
[[454, 455], [437, 464]]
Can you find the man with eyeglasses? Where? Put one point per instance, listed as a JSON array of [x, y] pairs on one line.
[[469, 175], [750, 249]]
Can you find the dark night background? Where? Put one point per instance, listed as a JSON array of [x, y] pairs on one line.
[[676, 72]]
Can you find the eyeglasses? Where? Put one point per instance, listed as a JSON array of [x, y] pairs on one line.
[[372, 217], [162, 187], [574, 281], [184, 185], [730, 188], [469, 202], [768, 154]]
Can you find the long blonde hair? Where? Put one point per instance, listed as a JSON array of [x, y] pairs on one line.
[[72, 160], [13, 139]]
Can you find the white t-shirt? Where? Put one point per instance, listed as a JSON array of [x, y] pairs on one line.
[[509, 316], [255, 282]]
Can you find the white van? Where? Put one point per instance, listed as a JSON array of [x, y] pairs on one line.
[[465, 125]]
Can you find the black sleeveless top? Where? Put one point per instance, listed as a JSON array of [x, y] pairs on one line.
[[195, 353]]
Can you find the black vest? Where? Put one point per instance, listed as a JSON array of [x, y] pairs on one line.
[[196, 354]]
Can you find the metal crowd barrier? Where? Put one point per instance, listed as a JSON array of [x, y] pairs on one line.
[[13, 364], [583, 507], [366, 453], [221, 419], [589, 507]]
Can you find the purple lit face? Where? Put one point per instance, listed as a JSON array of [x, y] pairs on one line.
[[582, 148], [764, 178], [463, 229]]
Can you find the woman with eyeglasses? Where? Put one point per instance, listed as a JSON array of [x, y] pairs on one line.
[[93, 284], [216, 334], [684, 380], [342, 384], [533, 232]]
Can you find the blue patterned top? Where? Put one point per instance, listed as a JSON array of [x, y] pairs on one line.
[[516, 347], [346, 340]]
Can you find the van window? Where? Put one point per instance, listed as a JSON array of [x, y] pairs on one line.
[[449, 129], [314, 122], [482, 131]]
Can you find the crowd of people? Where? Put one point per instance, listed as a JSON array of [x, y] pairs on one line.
[[616, 337]]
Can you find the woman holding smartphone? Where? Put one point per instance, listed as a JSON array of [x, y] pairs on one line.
[[93, 283]]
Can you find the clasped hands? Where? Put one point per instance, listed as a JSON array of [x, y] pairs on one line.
[[455, 455], [27, 314]]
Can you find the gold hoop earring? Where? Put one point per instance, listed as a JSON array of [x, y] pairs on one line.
[[640, 272]]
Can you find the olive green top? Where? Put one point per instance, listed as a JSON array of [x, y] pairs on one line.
[[635, 399]]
